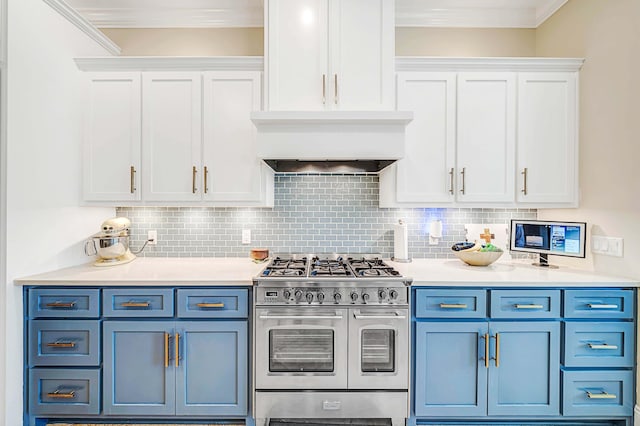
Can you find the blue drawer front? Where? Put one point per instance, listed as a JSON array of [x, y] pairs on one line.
[[597, 393], [433, 303], [599, 344], [529, 304], [212, 303], [65, 343], [64, 391], [598, 304], [64, 303], [138, 302]]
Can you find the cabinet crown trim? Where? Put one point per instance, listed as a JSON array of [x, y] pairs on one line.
[[427, 63], [157, 63]]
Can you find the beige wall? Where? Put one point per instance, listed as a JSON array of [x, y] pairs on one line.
[[465, 42], [607, 35], [250, 41], [188, 41]]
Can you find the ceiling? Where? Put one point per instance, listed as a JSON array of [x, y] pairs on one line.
[[249, 13]]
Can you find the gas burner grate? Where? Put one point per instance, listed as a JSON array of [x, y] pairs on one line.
[[377, 272]]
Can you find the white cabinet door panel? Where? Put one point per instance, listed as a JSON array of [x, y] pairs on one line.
[[486, 137], [235, 174], [171, 136], [362, 46], [547, 133], [423, 175], [112, 137], [297, 54]]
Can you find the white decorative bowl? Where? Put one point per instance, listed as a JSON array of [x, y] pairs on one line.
[[478, 258]]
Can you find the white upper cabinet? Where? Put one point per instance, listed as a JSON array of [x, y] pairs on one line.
[[547, 133], [171, 136], [232, 173], [330, 54], [486, 136], [112, 137]]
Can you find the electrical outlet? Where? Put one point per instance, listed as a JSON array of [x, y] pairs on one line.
[[152, 237], [246, 236], [609, 246]]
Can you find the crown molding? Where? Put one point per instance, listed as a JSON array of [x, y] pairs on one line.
[[423, 63], [84, 25], [158, 63]]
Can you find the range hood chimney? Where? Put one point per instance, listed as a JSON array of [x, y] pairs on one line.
[[330, 141]]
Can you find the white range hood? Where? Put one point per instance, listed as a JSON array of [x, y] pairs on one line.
[[330, 141]]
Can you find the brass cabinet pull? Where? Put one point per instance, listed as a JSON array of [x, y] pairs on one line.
[[597, 306], [601, 395], [135, 304], [133, 179], [166, 349], [61, 345], [61, 305], [603, 346], [210, 305], [497, 358], [486, 349], [62, 395], [453, 305], [206, 175], [194, 172], [524, 175], [518, 306], [451, 181], [463, 172], [335, 88], [177, 350], [324, 89]]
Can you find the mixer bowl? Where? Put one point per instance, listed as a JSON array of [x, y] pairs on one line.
[[111, 248]]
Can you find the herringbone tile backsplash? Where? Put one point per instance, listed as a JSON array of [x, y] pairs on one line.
[[312, 213]]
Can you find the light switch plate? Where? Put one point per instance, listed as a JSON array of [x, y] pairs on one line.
[[246, 236], [609, 246]]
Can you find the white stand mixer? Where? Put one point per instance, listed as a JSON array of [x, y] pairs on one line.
[[111, 244]]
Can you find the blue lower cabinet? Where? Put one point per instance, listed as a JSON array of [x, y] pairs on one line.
[[138, 372], [598, 393], [64, 391], [524, 376], [211, 376]]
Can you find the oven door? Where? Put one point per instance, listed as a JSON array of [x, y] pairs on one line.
[[304, 348], [378, 348]]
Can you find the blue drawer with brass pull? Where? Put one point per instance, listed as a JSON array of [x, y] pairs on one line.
[[599, 344], [437, 303], [64, 303], [616, 304], [64, 343], [526, 304], [64, 391], [212, 303], [143, 302], [597, 393]]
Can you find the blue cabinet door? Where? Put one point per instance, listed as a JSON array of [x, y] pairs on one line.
[[211, 376], [451, 374], [525, 377], [139, 378]]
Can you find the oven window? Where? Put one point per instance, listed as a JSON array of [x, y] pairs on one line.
[[301, 351], [378, 351]]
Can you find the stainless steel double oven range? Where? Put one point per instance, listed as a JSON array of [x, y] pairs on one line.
[[331, 340]]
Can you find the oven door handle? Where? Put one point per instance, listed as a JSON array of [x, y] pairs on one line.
[[392, 315], [300, 317]]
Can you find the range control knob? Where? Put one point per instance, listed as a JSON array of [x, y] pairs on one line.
[[393, 294], [337, 297], [365, 297], [382, 294], [320, 297], [286, 294], [309, 297], [298, 295], [354, 296]]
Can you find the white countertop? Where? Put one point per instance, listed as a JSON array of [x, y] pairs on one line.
[[230, 271]]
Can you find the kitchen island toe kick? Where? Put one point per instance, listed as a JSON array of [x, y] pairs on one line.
[[331, 405]]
